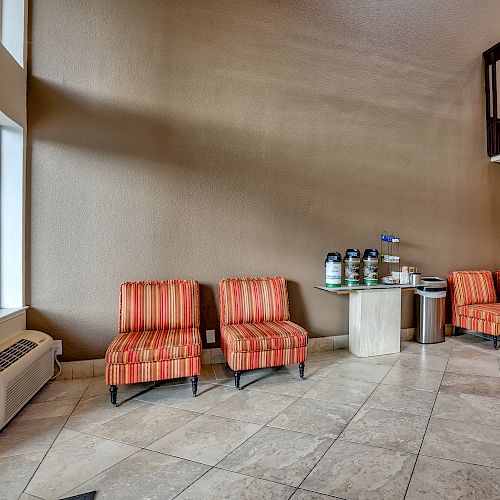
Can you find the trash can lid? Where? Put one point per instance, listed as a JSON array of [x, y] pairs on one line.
[[432, 282]]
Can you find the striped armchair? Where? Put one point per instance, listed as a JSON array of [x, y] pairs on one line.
[[473, 302], [256, 331], [159, 335]]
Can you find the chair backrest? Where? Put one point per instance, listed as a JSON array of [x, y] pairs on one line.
[[471, 287], [253, 300], [159, 305]]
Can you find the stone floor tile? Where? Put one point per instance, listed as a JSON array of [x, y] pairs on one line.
[[467, 408], [146, 474], [438, 479], [206, 439], [74, 462], [144, 425], [386, 429], [285, 383], [388, 397], [65, 435], [180, 396], [384, 359], [426, 380], [225, 485], [487, 367], [15, 473], [47, 409], [440, 349], [311, 416], [343, 391], [223, 372], [96, 411], [253, 406], [309, 495], [362, 371], [356, 471], [463, 383], [63, 389], [423, 362], [98, 387], [277, 455], [463, 441], [27, 436]]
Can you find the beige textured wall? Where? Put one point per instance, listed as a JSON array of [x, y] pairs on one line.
[[212, 139]]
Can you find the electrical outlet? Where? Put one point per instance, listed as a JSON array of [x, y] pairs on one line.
[[57, 347], [210, 336]]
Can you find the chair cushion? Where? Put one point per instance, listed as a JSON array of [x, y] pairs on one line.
[[149, 346], [253, 300], [252, 337], [484, 312], [159, 305], [471, 287]]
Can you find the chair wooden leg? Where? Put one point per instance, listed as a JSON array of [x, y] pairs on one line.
[[237, 380], [301, 369], [113, 391], [495, 342], [194, 384]]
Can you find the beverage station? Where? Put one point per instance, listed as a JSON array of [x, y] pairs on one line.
[[375, 304]]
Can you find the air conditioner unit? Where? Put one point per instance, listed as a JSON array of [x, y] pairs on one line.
[[26, 364]]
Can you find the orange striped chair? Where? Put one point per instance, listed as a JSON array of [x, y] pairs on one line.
[[256, 331], [159, 335], [473, 303]]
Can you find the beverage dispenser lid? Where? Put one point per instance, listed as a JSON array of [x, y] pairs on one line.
[[333, 257], [371, 252], [352, 252]]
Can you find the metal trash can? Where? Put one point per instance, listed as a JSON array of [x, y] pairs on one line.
[[430, 310]]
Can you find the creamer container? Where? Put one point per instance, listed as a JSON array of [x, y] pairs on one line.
[[352, 260], [370, 266]]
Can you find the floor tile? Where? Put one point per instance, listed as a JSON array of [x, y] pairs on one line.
[[318, 368], [467, 408], [343, 391], [463, 352], [180, 396], [74, 462], [223, 372], [22, 436], [356, 471], [462, 383], [144, 425], [64, 389], [146, 474], [423, 362], [278, 455], [206, 439], [225, 485], [365, 372], [47, 409], [389, 397], [15, 473], [321, 418], [463, 441], [96, 411], [283, 384], [387, 429], [65, 435], [484, 366], [425, 380], [440, 349], [438, 479], [98, 387], [384, 359], [309, 495], [253, 406], [25, 496]]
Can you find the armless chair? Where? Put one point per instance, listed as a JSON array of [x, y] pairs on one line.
[[256, 331], [159, 336]]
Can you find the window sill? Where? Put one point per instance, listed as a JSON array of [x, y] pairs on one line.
[[6, 314]]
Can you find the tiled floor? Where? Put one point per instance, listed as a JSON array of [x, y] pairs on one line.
[[420, 424]]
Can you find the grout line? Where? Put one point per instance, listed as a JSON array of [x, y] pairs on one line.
[[426, 428]]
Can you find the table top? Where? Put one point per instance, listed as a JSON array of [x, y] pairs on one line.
[[358, 288]]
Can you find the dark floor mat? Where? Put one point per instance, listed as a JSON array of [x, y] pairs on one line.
[[84, 496]]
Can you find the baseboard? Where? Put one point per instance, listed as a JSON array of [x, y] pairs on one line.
[[96, 367]]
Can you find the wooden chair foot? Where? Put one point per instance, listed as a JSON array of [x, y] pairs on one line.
[[113, 390], [194, 384], [301, 369], [237, 380]]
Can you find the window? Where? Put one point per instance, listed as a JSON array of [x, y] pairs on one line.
[[11, 216], [12, 28]]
